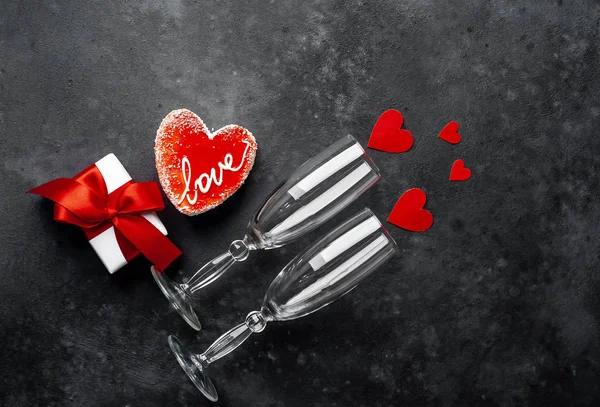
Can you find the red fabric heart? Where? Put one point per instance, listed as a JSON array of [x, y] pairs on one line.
[[459, 172], [408, 213], [387, 135], [198, 169], [450, 133]]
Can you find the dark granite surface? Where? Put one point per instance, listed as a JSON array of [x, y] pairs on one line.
[[497, 304]]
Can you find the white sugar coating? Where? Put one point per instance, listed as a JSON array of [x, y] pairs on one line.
[[163, 150]]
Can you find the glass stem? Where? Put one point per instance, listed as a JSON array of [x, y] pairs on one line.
[[238, 251], [255, 322]]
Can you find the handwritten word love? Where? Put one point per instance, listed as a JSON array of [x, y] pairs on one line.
[[205, 181]]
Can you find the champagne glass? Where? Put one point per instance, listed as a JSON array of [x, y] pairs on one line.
[[316, 191], [313, 279]]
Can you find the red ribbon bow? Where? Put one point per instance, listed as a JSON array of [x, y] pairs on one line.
[[84, 201]]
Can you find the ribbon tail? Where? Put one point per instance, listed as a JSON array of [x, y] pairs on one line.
[[147, 239]]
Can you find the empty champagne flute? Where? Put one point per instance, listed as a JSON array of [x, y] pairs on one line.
[[316, 191], [313, 279]]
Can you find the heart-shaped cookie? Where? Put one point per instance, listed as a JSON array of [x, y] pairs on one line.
[[459, 172], [197, 169], [388, 136], [408, 213]]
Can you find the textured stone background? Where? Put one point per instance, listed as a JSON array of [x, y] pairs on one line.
[[497, 304]]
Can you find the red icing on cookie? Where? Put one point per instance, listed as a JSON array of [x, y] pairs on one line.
[[198, 169]]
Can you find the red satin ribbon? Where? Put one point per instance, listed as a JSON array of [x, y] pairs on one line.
[[84, 201]]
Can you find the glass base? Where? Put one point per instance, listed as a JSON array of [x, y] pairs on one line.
[[177, 297], [195, 372]]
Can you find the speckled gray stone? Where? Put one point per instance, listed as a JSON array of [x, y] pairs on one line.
[[497, 304]]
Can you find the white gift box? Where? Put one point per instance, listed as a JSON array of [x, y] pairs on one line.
[[105, 244]]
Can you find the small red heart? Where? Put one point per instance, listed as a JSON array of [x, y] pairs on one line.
[[459, 172], [387, 135], [450, 133], [408, 213], [198, 169]]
